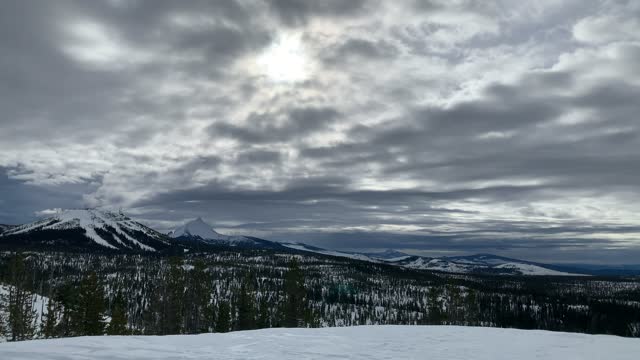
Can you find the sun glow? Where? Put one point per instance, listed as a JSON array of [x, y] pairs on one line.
[[285, 60]]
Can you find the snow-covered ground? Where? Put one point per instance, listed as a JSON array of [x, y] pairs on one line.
[[364, 342]]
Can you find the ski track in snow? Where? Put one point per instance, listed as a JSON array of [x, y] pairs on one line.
[[363, 342]]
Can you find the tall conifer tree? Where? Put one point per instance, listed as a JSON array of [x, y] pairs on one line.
[[295, 296], [91, 306]]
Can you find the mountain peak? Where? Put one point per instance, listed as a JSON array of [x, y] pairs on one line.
[[105, 228], [197, 228]]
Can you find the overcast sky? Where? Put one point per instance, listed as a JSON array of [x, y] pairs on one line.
[[434, 127]]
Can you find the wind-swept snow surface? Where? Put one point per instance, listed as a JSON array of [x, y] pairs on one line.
[[364, 342]]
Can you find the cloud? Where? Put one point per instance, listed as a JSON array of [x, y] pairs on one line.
[[299, 12], [428, 125], [362, 50], [274, 127], [607, 29]]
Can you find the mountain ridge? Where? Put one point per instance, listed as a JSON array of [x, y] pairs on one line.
[[478, 263], [78, 229], [87, 228], [198, 230], [5, 227]]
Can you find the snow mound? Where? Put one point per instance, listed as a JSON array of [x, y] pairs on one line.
[[364, 342]]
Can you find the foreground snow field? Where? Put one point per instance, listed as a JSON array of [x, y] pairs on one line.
[[363, 342]]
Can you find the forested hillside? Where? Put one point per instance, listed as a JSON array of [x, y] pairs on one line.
[[235, 289]]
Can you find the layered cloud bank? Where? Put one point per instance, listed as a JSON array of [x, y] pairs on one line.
[[430, 125]]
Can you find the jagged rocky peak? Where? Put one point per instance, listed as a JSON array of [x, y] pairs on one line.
[[197, 228]]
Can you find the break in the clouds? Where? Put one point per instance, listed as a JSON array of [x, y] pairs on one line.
[[427, 126]]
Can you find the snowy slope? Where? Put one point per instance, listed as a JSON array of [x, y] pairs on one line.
[[4, 227], [529, 269], [106, 229], [313, 249], [364, 342], [388, 255], [482, 263]]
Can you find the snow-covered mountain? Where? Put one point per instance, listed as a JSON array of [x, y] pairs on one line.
[[4, 227], [388, 255], [199, 230], [317, 250], [79, 229], [480, 263], [82, 228]]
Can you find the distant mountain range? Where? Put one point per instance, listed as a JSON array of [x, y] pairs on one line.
[[480, 263], [90, 229]]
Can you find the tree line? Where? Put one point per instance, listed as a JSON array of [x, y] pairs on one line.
[[182, 303], [94, 294]]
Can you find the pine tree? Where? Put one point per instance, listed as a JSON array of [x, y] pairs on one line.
[[118, 324], [3, 320], [70, 319], [223, 320], [50, 319], [246, 306], [21, 315], [471, 306], [91, 306], [152, 314], [198, 298], [263, 315], [295, 296], [435, 305], [173, 304]]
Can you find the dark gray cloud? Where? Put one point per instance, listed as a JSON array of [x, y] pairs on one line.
[[358, 50], [299, 12], [276, 127], [427, 126], [19, 202]]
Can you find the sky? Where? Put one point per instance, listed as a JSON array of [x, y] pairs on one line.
[[433, 127]]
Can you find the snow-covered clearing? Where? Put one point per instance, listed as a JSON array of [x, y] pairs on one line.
[[363, 342]]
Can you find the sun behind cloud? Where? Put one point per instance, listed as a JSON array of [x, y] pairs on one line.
[[286, 60]]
